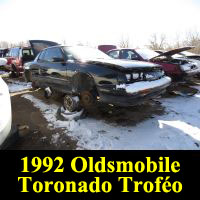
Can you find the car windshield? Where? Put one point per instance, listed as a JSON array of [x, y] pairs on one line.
[[86, 53], [147, 54]]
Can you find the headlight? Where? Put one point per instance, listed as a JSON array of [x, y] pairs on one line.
[[128, 76], [27, 67], [135, 75], [162, 72]]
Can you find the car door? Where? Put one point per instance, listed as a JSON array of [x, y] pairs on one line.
[[54, 68], [37, 65]]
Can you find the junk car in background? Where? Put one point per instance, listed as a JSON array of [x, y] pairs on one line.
[[18, 56], [3, 52], [176, 68]]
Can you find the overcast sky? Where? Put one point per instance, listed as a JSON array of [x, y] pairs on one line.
[[97, 21]]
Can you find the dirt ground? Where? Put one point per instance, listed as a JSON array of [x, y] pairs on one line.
[[35, 133]]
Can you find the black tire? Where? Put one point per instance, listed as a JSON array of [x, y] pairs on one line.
[[27, 76], [15, 73], [34, 85], [70, 104]]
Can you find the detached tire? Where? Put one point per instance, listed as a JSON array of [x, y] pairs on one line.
[[71, 103]]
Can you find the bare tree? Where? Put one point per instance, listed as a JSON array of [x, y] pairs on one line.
[[22, 44], [193, 39], [157, 42], [64, 42], [4, 44], [177, 43], [124, 43]]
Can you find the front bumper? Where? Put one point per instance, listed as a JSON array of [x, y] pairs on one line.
[[192, 72], [139, 94]]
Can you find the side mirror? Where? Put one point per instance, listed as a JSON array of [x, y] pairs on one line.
[[56, 59]]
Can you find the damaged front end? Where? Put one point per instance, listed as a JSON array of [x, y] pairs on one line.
[[136, 86], [175, 64], [178, 67]]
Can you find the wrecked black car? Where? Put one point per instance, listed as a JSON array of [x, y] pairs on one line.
[[86, 75]]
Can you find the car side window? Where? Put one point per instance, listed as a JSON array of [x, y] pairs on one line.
[[16, 52], [114, 54], [128, 54], [69, 55], [41, 56], [11, 52], [52, 53]]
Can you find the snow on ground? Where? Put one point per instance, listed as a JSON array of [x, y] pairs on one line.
[[17, 86], [4, 74], [179, 128]]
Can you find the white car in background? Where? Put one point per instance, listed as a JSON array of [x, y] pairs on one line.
[[3, 61], [5, 113]]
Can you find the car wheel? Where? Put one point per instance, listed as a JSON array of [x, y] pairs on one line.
[[15, 73], [27, 76], [34, 85], [71, 103], [87, 99]]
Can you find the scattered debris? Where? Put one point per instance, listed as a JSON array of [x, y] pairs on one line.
[[55, 138], [182, 90], [67, 115], [23, 130]]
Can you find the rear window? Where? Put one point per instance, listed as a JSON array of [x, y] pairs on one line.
[[27, 52], [14, 52], [114, 54]]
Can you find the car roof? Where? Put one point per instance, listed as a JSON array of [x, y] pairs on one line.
[[61, 45], [121, 49], [20, 48]]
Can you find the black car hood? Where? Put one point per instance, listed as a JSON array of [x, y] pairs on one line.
[[173, 52], [124, 64]]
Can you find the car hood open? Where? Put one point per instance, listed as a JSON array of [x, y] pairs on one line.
[[39, 45], [124, 64], [173, 52]]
